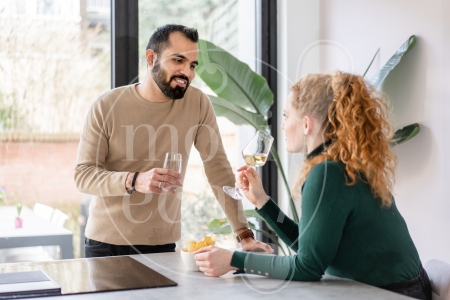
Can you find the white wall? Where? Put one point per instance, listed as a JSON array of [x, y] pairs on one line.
[[298, 28], [345, 34]]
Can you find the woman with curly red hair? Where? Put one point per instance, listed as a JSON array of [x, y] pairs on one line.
[[350, 226]]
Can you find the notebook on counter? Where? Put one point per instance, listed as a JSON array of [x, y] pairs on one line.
[[27, 284]]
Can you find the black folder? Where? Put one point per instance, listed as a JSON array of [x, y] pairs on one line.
[[27, 284]]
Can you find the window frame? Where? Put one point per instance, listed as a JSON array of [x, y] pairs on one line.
[[267, 51], [124, 42]]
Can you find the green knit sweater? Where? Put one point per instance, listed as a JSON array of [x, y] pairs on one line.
[[343, 230]]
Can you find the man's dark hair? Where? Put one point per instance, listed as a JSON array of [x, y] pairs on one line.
[[160, 38]]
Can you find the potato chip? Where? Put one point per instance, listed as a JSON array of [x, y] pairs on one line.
[[200, 245], [208, 240], [191, 246]]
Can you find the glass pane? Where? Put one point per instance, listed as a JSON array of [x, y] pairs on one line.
[[54, 62], [229, 24]]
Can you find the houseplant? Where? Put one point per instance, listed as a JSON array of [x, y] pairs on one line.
[[408, 132]]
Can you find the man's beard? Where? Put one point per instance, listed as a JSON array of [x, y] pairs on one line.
[[159, 76]]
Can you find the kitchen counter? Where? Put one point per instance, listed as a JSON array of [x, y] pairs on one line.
[[196, 285]]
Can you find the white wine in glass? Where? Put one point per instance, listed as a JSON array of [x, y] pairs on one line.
[[255, 155], [255, 160]]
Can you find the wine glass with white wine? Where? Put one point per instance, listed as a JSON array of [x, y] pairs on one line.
[[255, 155]]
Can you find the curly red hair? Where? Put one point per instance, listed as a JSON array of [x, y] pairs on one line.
[[355, 118]]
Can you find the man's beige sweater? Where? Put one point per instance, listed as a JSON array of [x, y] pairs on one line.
[[124, 133]]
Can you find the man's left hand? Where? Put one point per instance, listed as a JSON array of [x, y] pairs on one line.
[[250, 244]]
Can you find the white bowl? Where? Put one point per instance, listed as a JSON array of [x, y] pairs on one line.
[[189, 261]]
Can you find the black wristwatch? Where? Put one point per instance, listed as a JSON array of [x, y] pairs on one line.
[[133, 188]]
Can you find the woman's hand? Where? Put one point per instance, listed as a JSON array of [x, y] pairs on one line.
[[214, 261], [249, 182]]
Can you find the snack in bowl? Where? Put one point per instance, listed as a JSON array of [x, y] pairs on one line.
[[187, 254]]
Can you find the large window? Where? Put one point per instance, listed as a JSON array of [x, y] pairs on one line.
[[54, 62], [230, 24]]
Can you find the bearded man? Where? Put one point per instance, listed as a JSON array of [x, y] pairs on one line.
[[128, 130]]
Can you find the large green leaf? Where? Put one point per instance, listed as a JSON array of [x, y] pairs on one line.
[[263, 232], [225, 229], [233, 80], [404, 134], [237, 115], [379, 77], [371, 62], [408, 132], [244, 99], [251, 213], [216, 223]]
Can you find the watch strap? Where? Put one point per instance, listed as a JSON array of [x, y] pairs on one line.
[[244, 235], [133, 188]]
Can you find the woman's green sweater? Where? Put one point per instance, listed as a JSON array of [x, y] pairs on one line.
[[343, 230]]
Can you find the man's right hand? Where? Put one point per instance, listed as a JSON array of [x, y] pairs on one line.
[[149, 182]]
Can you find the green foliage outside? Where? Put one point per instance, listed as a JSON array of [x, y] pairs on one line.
[[9, 114], [196, 211]]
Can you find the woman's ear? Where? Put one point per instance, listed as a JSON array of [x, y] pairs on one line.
[[308, 125], [150, 56]]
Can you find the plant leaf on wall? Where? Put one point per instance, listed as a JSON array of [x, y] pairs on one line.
[[379, 77], [404, 134], [371, 62], [232, 79], [407, 132]]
